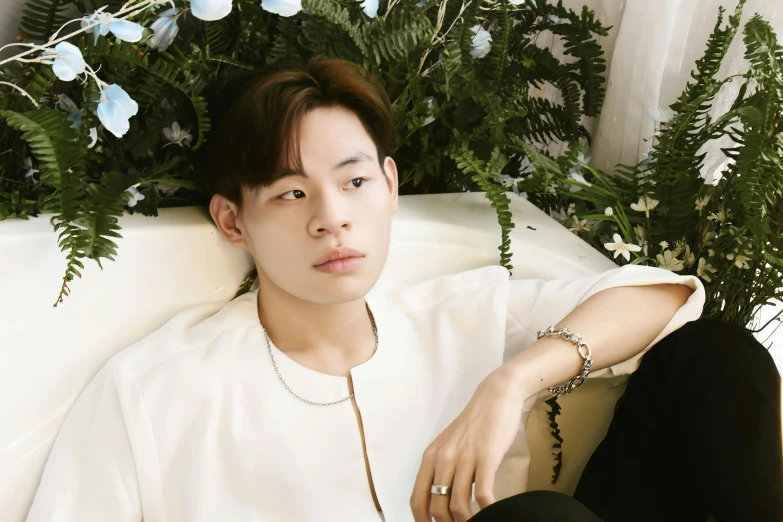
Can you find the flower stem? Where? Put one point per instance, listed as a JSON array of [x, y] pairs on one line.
[[126, 10], [21, 90]]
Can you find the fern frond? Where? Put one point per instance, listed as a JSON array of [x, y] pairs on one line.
[[41, 18], [60, 153]]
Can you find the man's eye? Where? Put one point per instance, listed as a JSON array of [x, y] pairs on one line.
[[297, 194], [360, 180]]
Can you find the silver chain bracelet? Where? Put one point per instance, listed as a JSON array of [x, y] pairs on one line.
[[584, 350]]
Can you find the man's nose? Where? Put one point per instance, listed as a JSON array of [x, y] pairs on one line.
[[331, 214]]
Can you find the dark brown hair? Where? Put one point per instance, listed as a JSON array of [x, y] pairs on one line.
[[255, 120]]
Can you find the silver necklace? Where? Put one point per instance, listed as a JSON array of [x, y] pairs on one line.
[[277, 371]]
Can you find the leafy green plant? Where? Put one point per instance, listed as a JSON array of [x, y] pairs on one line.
[[464, 107], [662, 212]]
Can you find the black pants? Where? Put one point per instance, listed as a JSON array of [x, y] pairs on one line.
[[696, 433]]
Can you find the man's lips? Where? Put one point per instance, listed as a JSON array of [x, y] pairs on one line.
[[338, 260]]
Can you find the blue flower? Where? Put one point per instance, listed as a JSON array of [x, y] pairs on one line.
[[74, 112], [660, 115], [135, 195], [481, 42], [210, 9], [115, 109], [93, 137], [68, 61], [370, 8], [122, 29], [282, 7], [28, 163], [165, 29]]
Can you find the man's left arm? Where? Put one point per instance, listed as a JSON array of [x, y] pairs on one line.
[[618, 323]]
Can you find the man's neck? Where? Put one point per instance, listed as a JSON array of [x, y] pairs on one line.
[[327, 338]]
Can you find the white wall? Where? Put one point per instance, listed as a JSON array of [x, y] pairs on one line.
[[10, 16]]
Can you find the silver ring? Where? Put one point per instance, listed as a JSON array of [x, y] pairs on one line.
[[440, 490]]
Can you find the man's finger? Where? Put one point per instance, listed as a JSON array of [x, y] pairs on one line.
[[420, 497], [445, 466], [485, 481], [462, 490]]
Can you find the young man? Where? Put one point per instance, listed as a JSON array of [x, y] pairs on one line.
[[317, 396]]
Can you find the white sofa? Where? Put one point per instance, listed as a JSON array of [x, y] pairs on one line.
[[178, 260]]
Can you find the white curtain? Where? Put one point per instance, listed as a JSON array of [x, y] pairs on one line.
[[654, 48]]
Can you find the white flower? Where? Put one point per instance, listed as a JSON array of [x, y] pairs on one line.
[[28, 164], [578, 226], [370, 8], [506, 180], [621, 248], [701, 202], [609, 211], [571, 209], [720, 216], [740, 261], [690, 258], [166, 189], [703, 269], [579, 178], [136, 196], [669, 262], [481, 42], [660, 115], [645, 204], [176, 135], [581, 158], [640, 232], [664, 245]]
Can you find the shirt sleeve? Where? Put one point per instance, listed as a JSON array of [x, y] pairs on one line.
[[90, 473], [535, 304]]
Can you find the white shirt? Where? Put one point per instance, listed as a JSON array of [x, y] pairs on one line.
[[192, 424]]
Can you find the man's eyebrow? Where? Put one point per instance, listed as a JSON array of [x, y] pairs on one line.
[[356, 157]]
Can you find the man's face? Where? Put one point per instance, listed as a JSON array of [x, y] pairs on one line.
[[343, 199]]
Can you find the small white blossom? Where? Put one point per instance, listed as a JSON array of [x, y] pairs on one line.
[[578, 226], [609, 211], [669, 262], [720, 216], [620, 248], [176, 135], [571, 209], [579, 178], [701, 202], [664, 245], [645, 204], [660, 115], [740, 261], [703, 269]]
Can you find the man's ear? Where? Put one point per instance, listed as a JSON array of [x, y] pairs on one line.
[[390, 169], [225, 214]]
